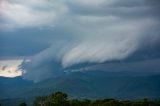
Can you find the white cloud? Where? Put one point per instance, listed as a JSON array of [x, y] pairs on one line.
[[32, 13], [94, 3], [10, 68]]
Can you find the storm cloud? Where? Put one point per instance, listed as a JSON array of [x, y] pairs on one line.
[[94, 31]]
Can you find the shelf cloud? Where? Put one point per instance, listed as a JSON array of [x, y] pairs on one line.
[[83, 31]]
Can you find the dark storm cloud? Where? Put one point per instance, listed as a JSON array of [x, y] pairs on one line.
[[144, 66], [81, 31], [123, 8], [21, 43]]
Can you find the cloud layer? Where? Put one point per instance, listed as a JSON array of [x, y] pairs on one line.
[[94, 31], [33, 13], [9, 68]]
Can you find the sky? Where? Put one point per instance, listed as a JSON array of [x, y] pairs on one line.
[[56, 35], [9, 68]]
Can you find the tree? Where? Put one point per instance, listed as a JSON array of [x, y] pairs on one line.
[[55, 99], [40, 101], [126, 103], [59, 99], [75, 102], [145, 102], [23, 104]]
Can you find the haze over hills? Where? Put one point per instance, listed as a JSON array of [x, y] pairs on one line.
[[91, 84]]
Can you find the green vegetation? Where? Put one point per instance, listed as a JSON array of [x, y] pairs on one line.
[[60, 99], [23, 104]]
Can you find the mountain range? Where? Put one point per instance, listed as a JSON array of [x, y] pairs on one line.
[[83, 84]]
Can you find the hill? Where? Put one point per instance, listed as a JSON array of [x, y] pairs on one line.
[[91, 84]]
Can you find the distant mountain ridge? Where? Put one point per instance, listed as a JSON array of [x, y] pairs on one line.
[[90, 84], [9, 87]]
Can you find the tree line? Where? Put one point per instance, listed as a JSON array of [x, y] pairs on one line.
[[61, 99]]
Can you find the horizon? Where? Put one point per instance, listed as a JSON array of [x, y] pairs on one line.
[[89, 49]]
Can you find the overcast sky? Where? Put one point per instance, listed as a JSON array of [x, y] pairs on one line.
[[71, 32]]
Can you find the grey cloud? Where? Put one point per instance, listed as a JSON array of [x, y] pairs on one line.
[[144, 67], [4, 68], [123, 8], [86, 32]]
